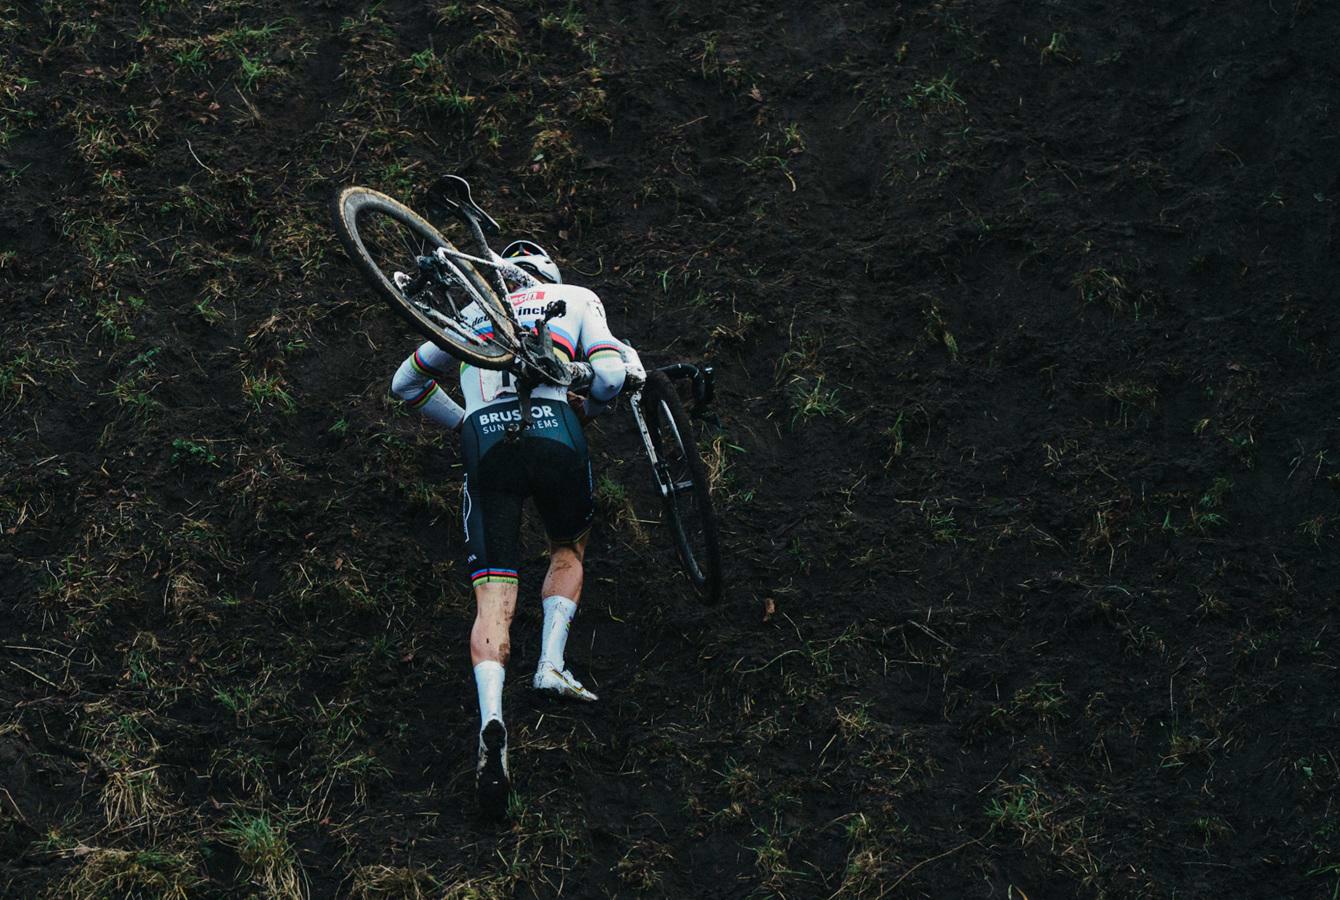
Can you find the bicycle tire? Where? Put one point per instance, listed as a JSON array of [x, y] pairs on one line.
[[688, 507], [355, 204]]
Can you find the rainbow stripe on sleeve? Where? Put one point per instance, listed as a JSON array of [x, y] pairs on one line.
[[602, 350], [424, 369], [422, 398]]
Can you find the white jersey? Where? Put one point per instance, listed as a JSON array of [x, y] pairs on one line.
[[581, 333]]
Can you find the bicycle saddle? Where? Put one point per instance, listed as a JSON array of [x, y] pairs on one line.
[[454, 191]]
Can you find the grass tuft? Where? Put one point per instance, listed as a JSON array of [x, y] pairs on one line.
[[937, 93], [264, 848], [810, 399], [105, 872], [399, 882]]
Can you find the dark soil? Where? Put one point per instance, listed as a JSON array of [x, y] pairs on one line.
[[1029, 451]]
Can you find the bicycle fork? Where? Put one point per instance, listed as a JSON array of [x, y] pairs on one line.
[[659, 467]]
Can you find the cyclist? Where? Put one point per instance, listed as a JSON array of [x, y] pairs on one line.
[[548, 462]]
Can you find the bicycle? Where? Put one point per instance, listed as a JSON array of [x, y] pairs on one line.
[[430, 283]]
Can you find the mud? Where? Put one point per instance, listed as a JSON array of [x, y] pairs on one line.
[[1026, 430]]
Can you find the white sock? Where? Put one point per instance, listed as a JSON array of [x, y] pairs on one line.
[[489, 677], [558, 612]]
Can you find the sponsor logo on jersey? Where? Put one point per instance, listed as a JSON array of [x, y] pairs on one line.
[[514, 415], [542, 416]]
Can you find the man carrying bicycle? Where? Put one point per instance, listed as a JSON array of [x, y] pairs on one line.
[[547, 461]]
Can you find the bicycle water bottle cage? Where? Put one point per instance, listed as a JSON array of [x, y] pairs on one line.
[[453, 191]]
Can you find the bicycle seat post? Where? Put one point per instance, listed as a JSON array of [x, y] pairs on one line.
[[516, 429]]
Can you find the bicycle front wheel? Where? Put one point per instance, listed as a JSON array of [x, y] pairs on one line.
[[385, 239], [685, 489]]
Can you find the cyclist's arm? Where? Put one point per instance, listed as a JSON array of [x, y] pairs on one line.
[[416, 384], [605, 354]]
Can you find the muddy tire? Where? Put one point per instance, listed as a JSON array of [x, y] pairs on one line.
[[688, 506], [382, 236]]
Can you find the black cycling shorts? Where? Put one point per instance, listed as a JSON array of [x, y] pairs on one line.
[[548, 462]]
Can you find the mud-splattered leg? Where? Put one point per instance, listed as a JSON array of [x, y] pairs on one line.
[[562, 590], [490, 644], [490, 647]]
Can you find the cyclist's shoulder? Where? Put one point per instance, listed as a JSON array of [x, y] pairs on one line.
[[576, 290], [571, 293], [581, 299], [577, 298]]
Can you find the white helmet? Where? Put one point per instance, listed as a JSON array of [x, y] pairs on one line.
[[531, 257]]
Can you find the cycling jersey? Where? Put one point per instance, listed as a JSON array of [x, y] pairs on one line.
[[580, 333], [549, 462]]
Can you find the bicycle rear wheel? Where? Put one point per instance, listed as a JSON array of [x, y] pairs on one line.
[[685, 490], [384, 237]]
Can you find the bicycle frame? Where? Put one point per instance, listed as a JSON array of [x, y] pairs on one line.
[[703, 386], [533, 360], [658, 467], [533, 352]]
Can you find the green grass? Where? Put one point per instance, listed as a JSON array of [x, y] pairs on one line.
[[104, 872], [262, 845], [114, 316], [570, 21], [135, 394], [943, 525], [610, 494], [1048, 822], [375, 882], [205, 308], [267, 391], [238, 701], [937, 93], [937, 329], [811, 398], [251, 72], [1131, 397], [188, 452], [191, 57], [16, 376], [1100, 285], [234, 583]]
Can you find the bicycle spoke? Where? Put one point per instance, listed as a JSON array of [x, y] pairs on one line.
[[405, 239]]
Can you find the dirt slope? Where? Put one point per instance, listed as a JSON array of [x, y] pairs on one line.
[[1023, 316]]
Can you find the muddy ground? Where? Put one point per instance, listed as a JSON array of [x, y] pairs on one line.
[[1029, 438]]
